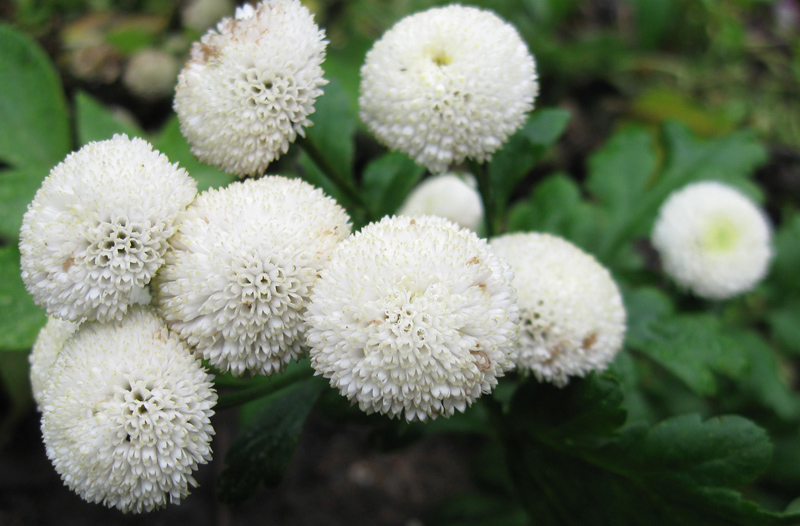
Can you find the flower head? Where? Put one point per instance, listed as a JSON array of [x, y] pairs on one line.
[[127, 413], [249, 87], [447, 84], [713, 240], [97, 229], [151, 73], [241, 268], [413, 316], [572, 319], [449, 196], [48, 344]]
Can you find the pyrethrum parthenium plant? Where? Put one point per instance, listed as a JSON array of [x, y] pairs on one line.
[[532, 320]]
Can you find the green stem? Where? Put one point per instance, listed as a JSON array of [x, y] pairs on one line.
[[338, 179], [263, 388], [481, 171]]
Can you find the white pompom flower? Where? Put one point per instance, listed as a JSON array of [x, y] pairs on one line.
[[446, 195], [127, 414], [413, 316], [713, 240], [572, 318], [241, 269], [97, 229], [447, 84], [250, 85], [48, 344]]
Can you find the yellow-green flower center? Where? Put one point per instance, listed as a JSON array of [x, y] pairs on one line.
[[720, 235]]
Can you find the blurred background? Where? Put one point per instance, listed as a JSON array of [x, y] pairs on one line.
[[717, 66]]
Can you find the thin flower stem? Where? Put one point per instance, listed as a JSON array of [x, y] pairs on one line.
[[347, 187], [263, 388], [481, 171]]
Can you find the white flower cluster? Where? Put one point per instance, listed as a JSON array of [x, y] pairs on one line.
[[447, 84], [97, 229], [126, 414], [241, 268], [250, 86], [447, 195], [413, 316], [572, 319], [713, 240]]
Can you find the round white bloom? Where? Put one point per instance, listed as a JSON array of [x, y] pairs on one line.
[[413, 316], [151, 74], [202, 14], [572, 319], [249, 87], [713, 240], [446, 84], [48, 344], [97, 229], [449, 196], [241, 268], [127, 413]]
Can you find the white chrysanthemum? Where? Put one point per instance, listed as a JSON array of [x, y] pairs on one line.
[[713, 240], [449, 196], [241, 268], [447, 84], [48, 344], [572, 319], [413, 316], [97, 229], [127, 413], [249, 87], [151, 74]]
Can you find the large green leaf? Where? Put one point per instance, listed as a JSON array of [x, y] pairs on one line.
[[20, 318], [523, 150], [33, 111], [387, 181], [17, 189], [576, 466], [96, 123], [264, 449], [172, 144], [332, 132], [695, 348]]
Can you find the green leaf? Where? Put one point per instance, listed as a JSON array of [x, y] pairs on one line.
[[333, 130], [783, 322], [33, 111], [584, 409], [172, 144], [784, 278], [264, 449], [20, 318], [574, 467], [17, 189], [479, 509], [556, 206], [96, 123], [645, 306], [619, 174], [523, 150], [694, 348], [387, 182]]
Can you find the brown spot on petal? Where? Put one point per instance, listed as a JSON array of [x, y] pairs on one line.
[[481, 359], [474, 261], [375, 322], [589, 341], [68, 264]]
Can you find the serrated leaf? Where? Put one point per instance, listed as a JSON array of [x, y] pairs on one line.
[[387, 182], [35, 130], [20, 318], [264, 449], [556, 206], [172, 144], [584, 409], [678, 471], [694, 348], [523, 150], [333, 130], [96, 123], [17, 189]]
